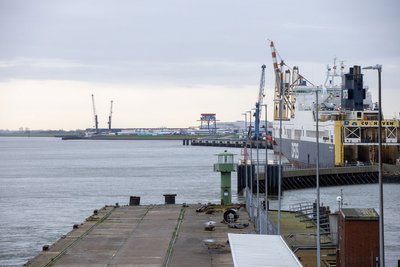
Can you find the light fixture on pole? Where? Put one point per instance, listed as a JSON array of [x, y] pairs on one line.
[[280, 156], [266, 171], [251, 169], [317, 182], [245, 151], [245, 122], [381, 221], [258, 189], [256, 143], [250, 126]]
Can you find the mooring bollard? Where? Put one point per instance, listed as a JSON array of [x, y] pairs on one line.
[[169, 198], [134, 201]]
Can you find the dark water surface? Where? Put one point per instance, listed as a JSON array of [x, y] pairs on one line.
[[47, 185]]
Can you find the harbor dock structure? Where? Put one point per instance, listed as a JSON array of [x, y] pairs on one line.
[[193, 235], [295, 178], [231, 142], [152, 235]]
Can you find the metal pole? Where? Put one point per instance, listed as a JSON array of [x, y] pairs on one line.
[[258, 190], [318, 197], [245, 151], [251, 174], [245, 123], [266, 171], [381, 220], [381, 225], [280, 157], [341, 199]]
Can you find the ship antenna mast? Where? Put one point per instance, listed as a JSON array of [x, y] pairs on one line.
[[332, 73]]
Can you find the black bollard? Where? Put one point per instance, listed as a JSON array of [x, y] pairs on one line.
[[169, 198]]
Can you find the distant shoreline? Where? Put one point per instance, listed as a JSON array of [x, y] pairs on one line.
[[132, 137], [31, 135], [104, 137]]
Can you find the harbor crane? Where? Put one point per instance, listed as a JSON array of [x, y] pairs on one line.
[[110, 116], [286, 80], [259, 103], [96, 121]]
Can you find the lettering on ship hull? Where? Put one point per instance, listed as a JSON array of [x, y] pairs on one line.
[[295, 150]]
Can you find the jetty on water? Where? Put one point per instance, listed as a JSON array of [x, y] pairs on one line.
[[174, 235], [149, 235]]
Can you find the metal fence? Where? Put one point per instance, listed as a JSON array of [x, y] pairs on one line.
[[258, 215]]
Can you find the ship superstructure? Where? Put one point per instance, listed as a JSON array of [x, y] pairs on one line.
[[347, 118]]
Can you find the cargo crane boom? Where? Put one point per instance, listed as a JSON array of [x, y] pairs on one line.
[[287, 79], [110, 116], [259, 103], [96, 121]]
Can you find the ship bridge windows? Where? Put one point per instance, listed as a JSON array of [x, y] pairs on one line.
[[313, 134]]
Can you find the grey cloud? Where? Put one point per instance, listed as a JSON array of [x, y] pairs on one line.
[[154, 39], [138, 72]]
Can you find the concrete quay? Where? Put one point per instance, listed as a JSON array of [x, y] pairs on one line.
[[152, 235]]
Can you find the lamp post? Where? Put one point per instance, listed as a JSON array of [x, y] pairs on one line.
[[317, 182], [245, 121], [245, 151], [249, 130], [381, 226], [258, 190], [251, 171], [257, 173], [280, 156], [266, 171]]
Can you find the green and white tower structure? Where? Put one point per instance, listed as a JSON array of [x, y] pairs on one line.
[[225, 166]]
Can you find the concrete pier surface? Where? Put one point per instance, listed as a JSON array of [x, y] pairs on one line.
[[152, 235]]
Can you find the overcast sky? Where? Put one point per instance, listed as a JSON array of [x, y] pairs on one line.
[[165, 62]]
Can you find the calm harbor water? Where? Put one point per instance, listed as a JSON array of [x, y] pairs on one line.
[[47, 185]]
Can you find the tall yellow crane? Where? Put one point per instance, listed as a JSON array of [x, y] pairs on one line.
[[285, 84]]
